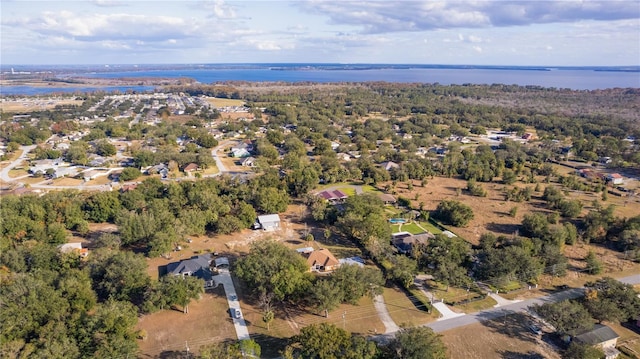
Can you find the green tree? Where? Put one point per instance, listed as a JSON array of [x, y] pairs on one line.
[[271, 268], [230, 350], [355, 282], [454, 213], [272, 200], [119, 275], [582, 351], [570, 208], [326, 295], [610, 300], [568, 317], [326, 341], [417, 343], [129, 174], [403, 270], [181, 290], [594, 266], [102, 206]]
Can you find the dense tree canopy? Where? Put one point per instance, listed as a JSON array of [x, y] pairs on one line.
[[271, 268]]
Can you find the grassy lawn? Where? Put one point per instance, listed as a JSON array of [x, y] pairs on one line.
[[511, 286], [451, 294], [17, 173], [349, 191], [402, 309], [430, 227], [476, 306], [411, 228]]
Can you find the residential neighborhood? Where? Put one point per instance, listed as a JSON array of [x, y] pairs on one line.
[[254, 218]]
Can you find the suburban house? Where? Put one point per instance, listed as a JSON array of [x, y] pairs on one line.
[[248, 162], [240, 153], [92, 174], [615, 178], [161, 169], [389, 165], [405, 241], [387, 198], [196, 266], [74, 248], [268, 222], [241, 150], [322, 260], [190, 168], [334, 196], [603, 337]]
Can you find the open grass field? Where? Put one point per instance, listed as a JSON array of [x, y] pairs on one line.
[[18, 172], [66, 181], [99, 181], [507, 338], [224, 102], [28, 105], [207, 322], [492, 212], [404, 309]]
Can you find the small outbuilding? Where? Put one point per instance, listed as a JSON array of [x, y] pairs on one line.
[[268, 222]]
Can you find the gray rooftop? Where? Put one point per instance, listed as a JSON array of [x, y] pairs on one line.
[[599, 334]]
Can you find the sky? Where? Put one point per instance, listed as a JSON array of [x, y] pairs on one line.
[[472, 32]]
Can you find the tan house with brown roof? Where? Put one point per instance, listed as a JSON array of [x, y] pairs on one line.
[[322, 260]]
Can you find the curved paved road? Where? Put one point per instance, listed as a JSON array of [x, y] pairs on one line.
[[4, 174]]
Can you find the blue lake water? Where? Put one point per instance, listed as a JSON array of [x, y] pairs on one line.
[[571, 78]]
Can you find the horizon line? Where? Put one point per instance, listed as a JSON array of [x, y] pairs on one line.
[[106, 64]]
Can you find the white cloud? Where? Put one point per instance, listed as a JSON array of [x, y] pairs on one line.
[[97, 27], [391, 16], [477, 48]]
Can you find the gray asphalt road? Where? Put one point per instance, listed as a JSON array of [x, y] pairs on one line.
[[493, 313]]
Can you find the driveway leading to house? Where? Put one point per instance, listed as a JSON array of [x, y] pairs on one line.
[[224, 277], [389, 325], [214, 154]]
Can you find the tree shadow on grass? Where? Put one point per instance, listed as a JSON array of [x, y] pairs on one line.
[[511, 324], [508, 354]]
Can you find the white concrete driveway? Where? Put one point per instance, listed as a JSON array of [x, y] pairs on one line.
[[224, 277]]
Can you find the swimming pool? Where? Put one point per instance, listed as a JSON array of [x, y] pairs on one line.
[[397, 220]]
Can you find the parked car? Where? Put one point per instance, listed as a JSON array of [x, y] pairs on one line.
[[235, 313], [535, 329]]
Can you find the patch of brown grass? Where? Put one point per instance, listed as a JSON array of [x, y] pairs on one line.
[[224, 102], [35, 104], [402, 309], [502, 338], [207, 322]]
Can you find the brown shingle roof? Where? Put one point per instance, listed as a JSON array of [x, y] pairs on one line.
[[322, 257]]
